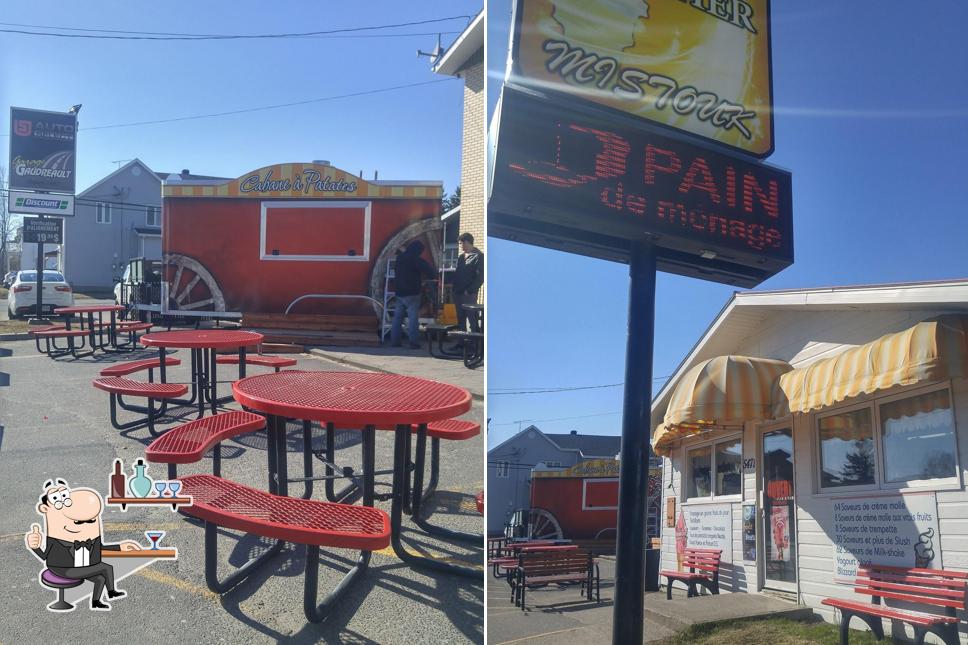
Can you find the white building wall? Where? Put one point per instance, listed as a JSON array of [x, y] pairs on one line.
[[801, 338]]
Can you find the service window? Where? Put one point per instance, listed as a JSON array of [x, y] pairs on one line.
[[330, 231], [599, 494], [714, 470]]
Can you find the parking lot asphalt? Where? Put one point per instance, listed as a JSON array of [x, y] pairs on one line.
[[53, 423]]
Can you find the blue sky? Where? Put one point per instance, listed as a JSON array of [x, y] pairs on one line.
[[406, 134], [872, 121]]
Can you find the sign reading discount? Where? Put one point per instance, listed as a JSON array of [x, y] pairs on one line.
[[701, 66], [896, 530]]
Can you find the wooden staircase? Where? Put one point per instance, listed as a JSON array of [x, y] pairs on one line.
[[310, 329]]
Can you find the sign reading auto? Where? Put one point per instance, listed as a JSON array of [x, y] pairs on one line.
[[702, 66], [42, 150], [603, 182]]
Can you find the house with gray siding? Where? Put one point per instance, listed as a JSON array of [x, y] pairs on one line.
[[116, 219], [509, 466]]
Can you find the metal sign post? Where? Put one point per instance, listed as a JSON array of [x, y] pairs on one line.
[[629, 609], [38, 318]]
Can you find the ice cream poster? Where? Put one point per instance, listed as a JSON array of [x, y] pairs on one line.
[[780, 533], [894, 530]]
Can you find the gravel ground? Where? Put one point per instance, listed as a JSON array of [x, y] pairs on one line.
[[54, 424]]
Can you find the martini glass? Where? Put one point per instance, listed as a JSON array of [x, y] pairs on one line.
[[155, 537], [160, 487], [174, 485]]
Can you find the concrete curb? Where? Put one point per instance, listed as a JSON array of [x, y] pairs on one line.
[[15, 337], [363, 366], [678, 619]]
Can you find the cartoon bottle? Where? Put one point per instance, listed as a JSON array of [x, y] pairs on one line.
[[117, 480], [140, 484]]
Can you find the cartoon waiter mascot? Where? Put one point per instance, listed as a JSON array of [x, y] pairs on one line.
[[73, 545]]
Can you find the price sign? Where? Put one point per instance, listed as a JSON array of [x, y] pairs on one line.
[[43, 231]]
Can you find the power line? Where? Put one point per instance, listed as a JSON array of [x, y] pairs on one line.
[[264, 107], [533, 421], [549, 390], [107, 34], [199, 36]]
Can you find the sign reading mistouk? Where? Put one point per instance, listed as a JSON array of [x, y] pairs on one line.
[[43, 150], [701, 66]]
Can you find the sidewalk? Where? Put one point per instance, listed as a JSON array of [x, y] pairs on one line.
[[411, 362], [563, 615]]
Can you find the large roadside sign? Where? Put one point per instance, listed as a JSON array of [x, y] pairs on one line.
[[700, 66], [43, 150], [43, 231], [590, 182]]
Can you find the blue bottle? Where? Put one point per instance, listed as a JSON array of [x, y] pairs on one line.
[[139, 484]]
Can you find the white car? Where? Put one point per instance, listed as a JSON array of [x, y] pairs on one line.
[[22, 298]]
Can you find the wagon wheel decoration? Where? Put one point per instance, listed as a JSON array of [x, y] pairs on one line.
[[542, 525], [191, 286], [425, 230]]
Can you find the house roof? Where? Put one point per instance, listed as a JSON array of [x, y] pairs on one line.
[[587, 445], [466, 46], [117, 172], [746, 312]]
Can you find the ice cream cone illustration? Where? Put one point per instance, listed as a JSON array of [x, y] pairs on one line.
[[924, 549], [681, 539]]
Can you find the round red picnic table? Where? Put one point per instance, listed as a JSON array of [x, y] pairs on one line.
[[356, 399], [203, 343], [89, 311]]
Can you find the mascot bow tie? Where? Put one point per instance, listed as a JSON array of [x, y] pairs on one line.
[[87, 544]]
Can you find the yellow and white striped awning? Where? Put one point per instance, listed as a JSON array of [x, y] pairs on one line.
[[932, 350], [721, 391]]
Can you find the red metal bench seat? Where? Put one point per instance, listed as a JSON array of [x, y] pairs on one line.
[[453, 429], [117, 386], [220, 502], [128, 387], [61, 332], [124, 369], [932, 587], [185, 444], [264, 360], [707, 561]]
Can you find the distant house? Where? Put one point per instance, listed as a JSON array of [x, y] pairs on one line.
[[509, 466], [116, 219]]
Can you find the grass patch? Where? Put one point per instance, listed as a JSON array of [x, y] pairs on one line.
[[13, 326], [775, 631]]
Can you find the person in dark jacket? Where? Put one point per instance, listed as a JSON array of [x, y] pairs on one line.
[[408, 276], [468, 280]]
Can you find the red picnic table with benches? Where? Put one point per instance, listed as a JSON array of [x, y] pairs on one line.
[[349, 399], [931, 589], [91, 334]]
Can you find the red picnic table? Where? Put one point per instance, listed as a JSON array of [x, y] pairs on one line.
[[203, 343], [95, 332], [367, 400]]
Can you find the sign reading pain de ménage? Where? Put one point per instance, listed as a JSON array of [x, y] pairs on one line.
[[701, 66], [581, 180]]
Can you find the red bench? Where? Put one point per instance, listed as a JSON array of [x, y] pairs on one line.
[[150, 364], [51, 332], [264, 360], [187, 443], [706, 561], [220, 502], [937, 589], [553, 565], [117, 387]]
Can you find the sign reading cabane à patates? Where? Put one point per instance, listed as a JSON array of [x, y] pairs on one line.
[[590, 468], [299, 180]]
